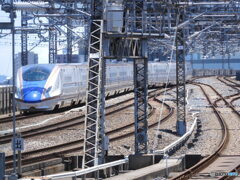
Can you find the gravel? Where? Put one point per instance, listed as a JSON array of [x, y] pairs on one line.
[[207, 141], [211, 129], [57, 137]]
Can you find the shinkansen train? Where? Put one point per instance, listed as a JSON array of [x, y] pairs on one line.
[[44, 87]]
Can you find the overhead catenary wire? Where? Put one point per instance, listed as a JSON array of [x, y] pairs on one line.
[[155, 143]]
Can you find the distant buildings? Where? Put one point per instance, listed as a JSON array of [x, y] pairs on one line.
[[2, 78], [32, 59]]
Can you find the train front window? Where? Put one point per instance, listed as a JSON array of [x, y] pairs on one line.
[[36, 74]]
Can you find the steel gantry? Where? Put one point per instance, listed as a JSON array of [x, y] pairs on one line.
[[180, 78], [138, 23], [24, 38], [95, 142], [140, 105], [69, 36], [52, 43]]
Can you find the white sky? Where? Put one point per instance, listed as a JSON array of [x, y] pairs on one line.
[[6, 48]]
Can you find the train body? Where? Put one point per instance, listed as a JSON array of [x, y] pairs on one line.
[[47, 86]]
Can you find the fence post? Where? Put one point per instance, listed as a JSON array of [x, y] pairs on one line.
[[6, 100], [2, 91], [0, 101], [10, 99]]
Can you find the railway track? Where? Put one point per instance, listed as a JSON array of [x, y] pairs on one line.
[[63, 124], [232, 84], [20, 117], [68, 123], [229, 96], [235, 86], [231, 81], [217, 161], [59, 150]]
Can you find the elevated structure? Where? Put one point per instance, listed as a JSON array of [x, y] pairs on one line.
[[119, 29]]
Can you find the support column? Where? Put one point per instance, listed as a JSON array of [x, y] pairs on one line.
[[140, 105], [24, 40], [51, 43], [56, 45], [180, 78], [69, 39], [95, 142]]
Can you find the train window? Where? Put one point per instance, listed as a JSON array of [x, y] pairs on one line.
[[36, 74]]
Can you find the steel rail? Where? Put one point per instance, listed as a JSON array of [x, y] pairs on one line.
[[19, 117], [208, 160], [72, 122], [229, 96], [45, 157], [64, 124], [232, 86]]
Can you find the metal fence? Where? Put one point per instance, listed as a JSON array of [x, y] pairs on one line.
[[214, 72], [5, 99]]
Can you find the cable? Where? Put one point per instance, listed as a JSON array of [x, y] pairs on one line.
[[164, 94]]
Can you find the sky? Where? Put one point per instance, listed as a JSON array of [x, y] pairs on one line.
[[6, 48]]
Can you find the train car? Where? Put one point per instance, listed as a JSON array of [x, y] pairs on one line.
[[44, 87]]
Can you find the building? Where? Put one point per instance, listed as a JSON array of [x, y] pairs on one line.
[[32, 59], [2, 78]]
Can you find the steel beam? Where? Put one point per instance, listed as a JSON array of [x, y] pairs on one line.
[[180, 79], [24, 39], [69, 39], [140, 105], [138, 22], [95, 142], [52, 41]]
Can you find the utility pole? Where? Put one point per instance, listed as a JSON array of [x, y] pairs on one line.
[[12, 16]]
